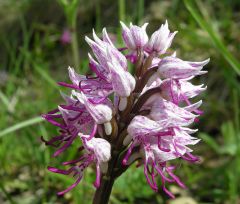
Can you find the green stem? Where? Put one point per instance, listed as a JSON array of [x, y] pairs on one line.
[[74, 44], [103, 193], [121, 10], [70, 9]]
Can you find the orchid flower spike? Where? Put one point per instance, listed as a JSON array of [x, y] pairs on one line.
[[122, 117]]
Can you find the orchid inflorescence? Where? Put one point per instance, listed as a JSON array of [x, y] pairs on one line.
[[121, 117]]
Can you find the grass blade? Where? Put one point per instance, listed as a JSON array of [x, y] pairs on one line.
[[4, 99], [213, 35], [46, 76], [21, 125]]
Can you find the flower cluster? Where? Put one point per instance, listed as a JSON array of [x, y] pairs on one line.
[[144, 116]]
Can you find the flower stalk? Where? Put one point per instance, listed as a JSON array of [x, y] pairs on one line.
[[70, 10], [74, 43], [103, 193]]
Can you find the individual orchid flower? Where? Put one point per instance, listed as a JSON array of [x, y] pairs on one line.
[[178, 91], [162, 109], [160, 40], [143, 130], [142, 126], [90, 85], [98, 151], [157, 146], [71, 118], [175, 68], [112, 67], [124, 117], [135, 37], [99, 48], [122, 81], [101, 113]]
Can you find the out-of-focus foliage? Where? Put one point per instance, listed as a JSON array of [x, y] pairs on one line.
[[33, 59]]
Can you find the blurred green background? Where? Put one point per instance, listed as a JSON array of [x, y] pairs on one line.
[[33, 58]]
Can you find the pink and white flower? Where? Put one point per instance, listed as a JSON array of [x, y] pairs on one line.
[[175, 68], [181, 90], [98, 151], [111, 66], [159, 142], [135, 37], [160, 40]]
